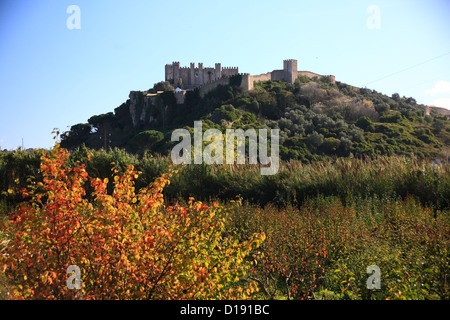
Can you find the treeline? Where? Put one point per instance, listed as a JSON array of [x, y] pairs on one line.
[[295, 182]]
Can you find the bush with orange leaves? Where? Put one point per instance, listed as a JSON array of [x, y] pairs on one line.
[[127, 244]]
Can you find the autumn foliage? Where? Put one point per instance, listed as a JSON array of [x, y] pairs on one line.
[[128, 244]]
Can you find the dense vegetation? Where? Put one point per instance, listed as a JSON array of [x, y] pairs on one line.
[[317, 120], [295, 182], [324, 224]]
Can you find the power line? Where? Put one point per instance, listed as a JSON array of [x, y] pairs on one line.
[[418, 84], [414, 66]]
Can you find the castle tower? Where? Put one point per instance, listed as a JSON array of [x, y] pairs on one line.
[[176, 73], [217, 71], [200, 73], [192, 74], [169, 73], [290, 70], [333, 79]]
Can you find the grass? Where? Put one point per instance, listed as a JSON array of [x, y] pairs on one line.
[[295, 182]]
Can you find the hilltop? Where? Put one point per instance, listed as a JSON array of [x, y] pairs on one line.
[[318, 118]]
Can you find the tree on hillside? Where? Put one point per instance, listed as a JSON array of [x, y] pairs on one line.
[[396, 96], [315, 139], [144, 140], [312, 92], [103, 126], [162, 86], [364, 123], [438, 125], [77, 135]]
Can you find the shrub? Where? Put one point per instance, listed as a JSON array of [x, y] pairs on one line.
[[393, 117], [438, 125], [315, 139], [330, 145], [144, 140], [127, 244], [324, 248], [364, 123], [228, 113]]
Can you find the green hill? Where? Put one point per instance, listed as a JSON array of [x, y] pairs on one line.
[[317, 120]]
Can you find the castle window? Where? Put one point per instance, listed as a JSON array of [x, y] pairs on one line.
[[196, 74]]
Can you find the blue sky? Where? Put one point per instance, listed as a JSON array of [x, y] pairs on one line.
[[52, 76]]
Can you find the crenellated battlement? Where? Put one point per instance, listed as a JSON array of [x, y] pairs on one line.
[[207, 78], [195, 76]]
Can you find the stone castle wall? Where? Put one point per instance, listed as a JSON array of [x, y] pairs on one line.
[[209, 78], [229, 71], [311, 75], [193, 77], [262, 77], [204, 89]]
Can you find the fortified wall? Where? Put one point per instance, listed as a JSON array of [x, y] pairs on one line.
[[192, 77], [289, 74], [208, 78]]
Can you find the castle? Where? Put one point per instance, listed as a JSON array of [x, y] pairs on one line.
[[207, 78], [192, 77]]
